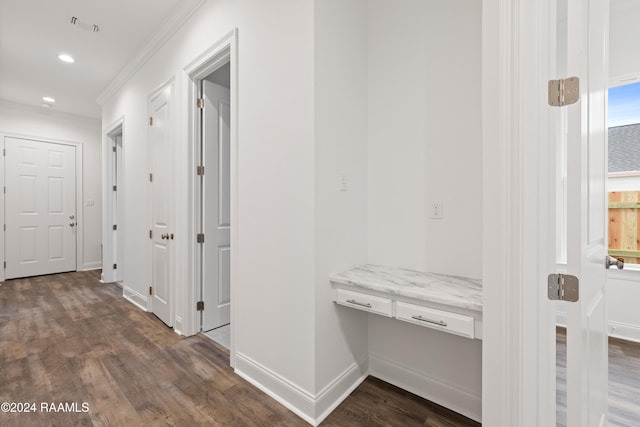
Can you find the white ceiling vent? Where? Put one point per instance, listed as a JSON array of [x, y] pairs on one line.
[[84, 25]]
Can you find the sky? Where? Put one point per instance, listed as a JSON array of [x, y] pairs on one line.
[[624, 105]]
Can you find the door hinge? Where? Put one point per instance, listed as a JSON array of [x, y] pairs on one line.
[[200, 306], [150, 121], [200, 170], [563, 287], [564, 91], [150, 290], [4, 151], [200, 238], [5, 265], [150, 177], [115, 227], [200, 103], [151, 234], [114, 148], [115, 266], [115, 188]]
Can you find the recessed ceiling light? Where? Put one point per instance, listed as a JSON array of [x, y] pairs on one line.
[[48, 99], [66, 58]]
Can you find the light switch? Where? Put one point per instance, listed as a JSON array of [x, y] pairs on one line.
[[344, 182]]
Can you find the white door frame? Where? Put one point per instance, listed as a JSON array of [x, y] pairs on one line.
[[109, 218], [223, 51], [79, 193], [518, 246]]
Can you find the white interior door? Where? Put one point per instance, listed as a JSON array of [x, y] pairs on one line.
[[160, 146], [40, 206], [587, 335], [216, 215]]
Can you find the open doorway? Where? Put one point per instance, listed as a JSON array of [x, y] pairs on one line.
[[114, 228], [215, 204]]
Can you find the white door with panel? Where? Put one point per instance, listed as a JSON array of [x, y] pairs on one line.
[[160, 126], [216, 203], [40, 206], [587, 334]]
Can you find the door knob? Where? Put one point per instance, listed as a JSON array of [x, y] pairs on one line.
[[609, 261], [72, 217], [164, 236], [72, 224]]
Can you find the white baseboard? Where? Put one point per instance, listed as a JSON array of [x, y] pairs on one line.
[[296, 399], [340, 388], [443, 394], [135, 297], [623, 331], [177, 325], [300, 401], [95, 265]]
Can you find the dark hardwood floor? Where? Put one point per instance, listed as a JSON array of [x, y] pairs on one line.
[[67, 339], [624, 381]]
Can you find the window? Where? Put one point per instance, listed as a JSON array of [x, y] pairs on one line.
[[624, 172]]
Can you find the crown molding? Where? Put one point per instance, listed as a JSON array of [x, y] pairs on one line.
[[8, 105], [177, 18]]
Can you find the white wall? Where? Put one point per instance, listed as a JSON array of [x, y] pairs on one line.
[[18, 119], [327, 89], [275, 252], [425, 144], [340, 216], [624, 37], [425, 139]]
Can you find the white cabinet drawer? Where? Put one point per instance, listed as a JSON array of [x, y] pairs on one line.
[[366, 302], [437, 319]]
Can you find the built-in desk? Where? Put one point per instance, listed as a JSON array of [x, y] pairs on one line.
[[448, 303]]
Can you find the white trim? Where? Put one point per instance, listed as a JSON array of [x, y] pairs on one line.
[[447, 395], [95, 265], [624, 331], [176, 19], [623, 80], [300, 401], [16, 106], [116, 128], [626, 174], [136, 298], [223, 51], [518, 364], [330, 397], [79, 193]]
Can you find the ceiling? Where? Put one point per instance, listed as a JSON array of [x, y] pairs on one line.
[[34, 32]]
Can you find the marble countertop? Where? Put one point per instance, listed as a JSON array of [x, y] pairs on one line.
[[453, 291]]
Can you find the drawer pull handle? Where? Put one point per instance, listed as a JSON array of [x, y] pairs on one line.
[[352, 301], [435, 322]]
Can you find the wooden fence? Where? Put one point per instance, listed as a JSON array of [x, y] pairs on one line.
[[624, 234]]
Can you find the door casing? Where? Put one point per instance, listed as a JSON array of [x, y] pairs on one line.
[[221, 52], [110, 215]]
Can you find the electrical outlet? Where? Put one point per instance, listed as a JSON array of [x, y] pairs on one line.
[[436, 209]]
